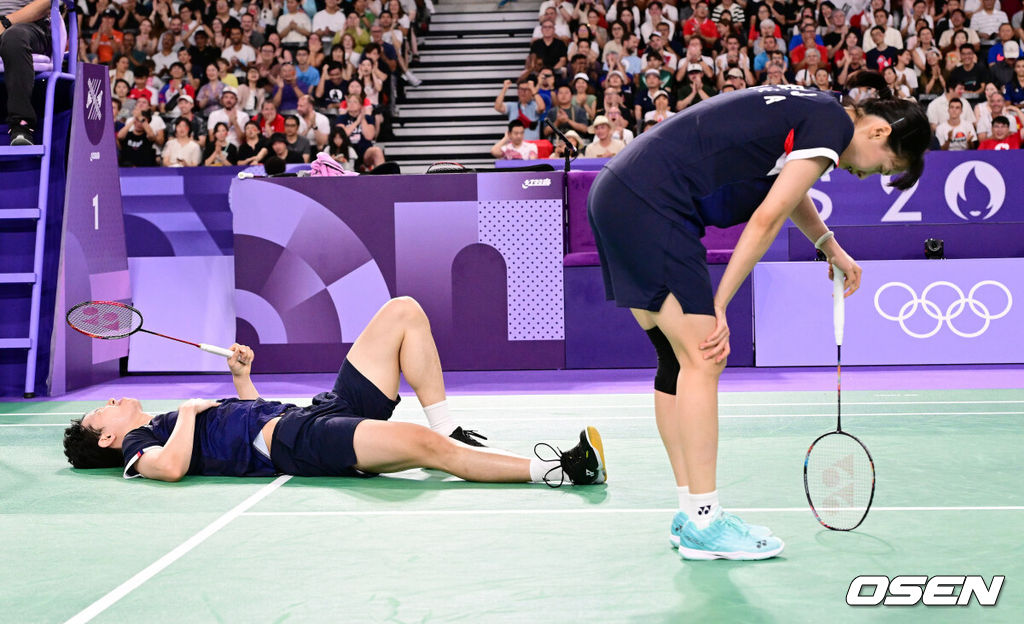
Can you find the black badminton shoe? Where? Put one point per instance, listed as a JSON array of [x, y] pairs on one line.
[[468, 437], [583, 464]]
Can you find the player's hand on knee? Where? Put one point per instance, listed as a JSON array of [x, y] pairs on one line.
[[240, 362], [717, 344]]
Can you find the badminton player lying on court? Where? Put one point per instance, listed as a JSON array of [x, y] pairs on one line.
[[345, 432], [749, 156]]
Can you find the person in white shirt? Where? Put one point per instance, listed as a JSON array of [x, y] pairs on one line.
[[182, 151], [512, 146], [561, 26], [294, 26], [938, 110], [314, 126], [955, 133], [238, 54], [604, 145], [329, 21], [650, 26], [229, 115], [986, 22]]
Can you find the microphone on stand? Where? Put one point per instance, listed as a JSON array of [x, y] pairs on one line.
[[569, 147]]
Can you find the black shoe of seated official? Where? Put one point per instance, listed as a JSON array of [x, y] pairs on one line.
[[468, 437], [21, 135]]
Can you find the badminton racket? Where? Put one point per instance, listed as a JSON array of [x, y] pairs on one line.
[[109, 320], [839, 474]]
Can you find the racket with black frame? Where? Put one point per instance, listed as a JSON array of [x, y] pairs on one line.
[[839, 473], [110, 320]]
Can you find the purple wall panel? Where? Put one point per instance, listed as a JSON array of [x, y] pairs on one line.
[[303, 246], [94, 263], [906, 242], [906, 312], [600, 335]]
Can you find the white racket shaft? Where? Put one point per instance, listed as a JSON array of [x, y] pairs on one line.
[[216, 350], [838, 303]]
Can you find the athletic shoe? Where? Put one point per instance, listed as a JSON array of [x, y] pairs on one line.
[[412, 79], [727, 537], [583, 464], [680, 520], [21, 134], [467, 436]]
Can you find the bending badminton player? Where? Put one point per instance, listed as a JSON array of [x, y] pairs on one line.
[[749, 156], [345, 432]]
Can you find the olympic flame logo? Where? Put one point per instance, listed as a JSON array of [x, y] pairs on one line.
[[953, 311]]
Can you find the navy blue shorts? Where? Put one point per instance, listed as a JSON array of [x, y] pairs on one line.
[[645, 255], [316, 441]]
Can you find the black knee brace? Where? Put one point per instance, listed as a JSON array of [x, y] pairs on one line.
[[668, 366]]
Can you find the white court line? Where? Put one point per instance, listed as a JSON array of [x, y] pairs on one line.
[[629, 406], [588, 510], [154, 568], [551, 418]]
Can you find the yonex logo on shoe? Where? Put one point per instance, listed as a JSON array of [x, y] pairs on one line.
[[762, 543], [935, 591], [703, 510]]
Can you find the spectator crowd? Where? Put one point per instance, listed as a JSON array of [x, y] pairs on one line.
[[604, 71], [244, 82]]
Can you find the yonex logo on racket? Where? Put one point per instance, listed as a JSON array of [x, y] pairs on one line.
[[937, 591], [994, 293]]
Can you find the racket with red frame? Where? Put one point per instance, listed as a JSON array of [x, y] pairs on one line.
[[839, 473], [110, 320]]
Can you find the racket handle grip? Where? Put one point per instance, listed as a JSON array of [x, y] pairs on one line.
[[216, 350], [838, 303]]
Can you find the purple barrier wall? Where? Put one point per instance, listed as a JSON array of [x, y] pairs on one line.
[[957, 187], [600, 335], [906, 241], [315, 258], [906, 312], [93, 262]]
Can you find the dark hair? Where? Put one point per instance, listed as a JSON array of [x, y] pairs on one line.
[[252, 123], [182, 120], [515, 123], [346, 143], [83, 450], [1000, 119], [302, 49], [294, 118], [966, 46], [277, 137], [273, 165], [911, 133]]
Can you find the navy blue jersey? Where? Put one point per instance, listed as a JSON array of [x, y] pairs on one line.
[[223, 441], [713, 163]]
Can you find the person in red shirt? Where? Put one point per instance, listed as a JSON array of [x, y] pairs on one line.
[[106, 42], [701, 25], [807, 33], [1002, 138], [271, 122], [141, 88]]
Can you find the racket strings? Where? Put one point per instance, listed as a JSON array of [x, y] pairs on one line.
[[105, 320], [840, 481]]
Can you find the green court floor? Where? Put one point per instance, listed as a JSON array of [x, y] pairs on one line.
[[423, 547]]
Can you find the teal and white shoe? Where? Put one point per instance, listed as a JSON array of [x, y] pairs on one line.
[[681, 518], [727, 537]]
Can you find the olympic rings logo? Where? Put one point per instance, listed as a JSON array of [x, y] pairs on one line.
[[954, 311]]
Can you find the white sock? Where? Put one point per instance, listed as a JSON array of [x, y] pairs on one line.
[[684, 500], [705, 507], [540, 468], [439, 418]]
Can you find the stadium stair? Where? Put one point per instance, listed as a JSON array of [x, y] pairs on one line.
[[472, 47]]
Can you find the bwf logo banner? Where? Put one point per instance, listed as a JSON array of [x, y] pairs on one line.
[[937, 591]]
